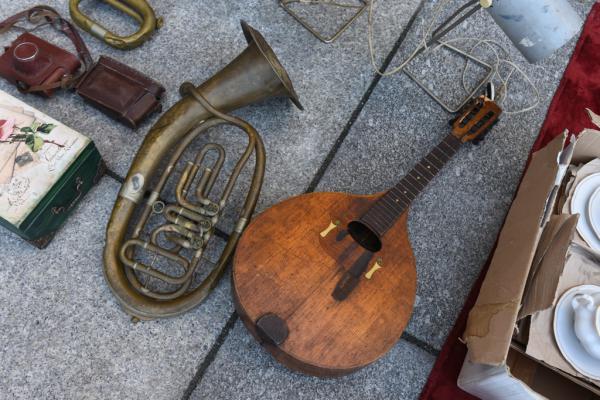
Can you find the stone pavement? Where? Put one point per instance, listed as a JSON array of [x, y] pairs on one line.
[[62, 334]]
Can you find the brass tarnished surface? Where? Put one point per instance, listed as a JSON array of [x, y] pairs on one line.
[[139, 10]]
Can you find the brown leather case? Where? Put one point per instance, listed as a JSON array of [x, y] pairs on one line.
[[32, 62], [120, 91]]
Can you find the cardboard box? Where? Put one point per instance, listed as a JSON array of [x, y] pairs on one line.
[[522, 285], [45, 170]]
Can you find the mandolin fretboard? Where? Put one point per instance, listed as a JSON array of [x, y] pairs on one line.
[[384, 213]]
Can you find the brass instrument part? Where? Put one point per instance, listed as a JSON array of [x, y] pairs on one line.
[[139, 10], [190, 220], [376, 267]]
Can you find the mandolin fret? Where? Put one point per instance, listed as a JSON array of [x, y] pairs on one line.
[[381, 220], [418, 181], [396, 205], [439, 164], [429, 166], [384, 213], [440, 154], [424, 172], [406, 191]]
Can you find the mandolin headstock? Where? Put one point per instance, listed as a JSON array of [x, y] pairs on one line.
[[476, 119]]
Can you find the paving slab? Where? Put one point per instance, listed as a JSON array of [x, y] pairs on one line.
[[243, 370], [63, 335], [454, 223]]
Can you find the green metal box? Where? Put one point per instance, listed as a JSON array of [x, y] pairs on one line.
[[46, 168]]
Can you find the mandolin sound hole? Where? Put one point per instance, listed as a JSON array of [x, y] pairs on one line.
[[364, 236]]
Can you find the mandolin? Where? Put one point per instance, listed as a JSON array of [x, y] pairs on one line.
[[326, 281]]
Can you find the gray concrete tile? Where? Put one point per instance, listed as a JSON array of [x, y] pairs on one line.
[[454, 224], [243, 370], [63, 335]]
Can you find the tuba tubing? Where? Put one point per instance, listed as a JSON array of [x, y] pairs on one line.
[[254, 75], [139, 10]]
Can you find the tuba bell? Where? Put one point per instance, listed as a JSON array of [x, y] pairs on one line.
[[188, 221]]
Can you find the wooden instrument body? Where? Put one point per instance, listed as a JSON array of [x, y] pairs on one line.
[[283, 265], [326, 281]]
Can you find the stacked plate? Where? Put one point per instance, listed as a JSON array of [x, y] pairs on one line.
[[578, 336], [586, 203]]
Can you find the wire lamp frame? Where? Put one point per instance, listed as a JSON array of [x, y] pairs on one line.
[[360, 9]]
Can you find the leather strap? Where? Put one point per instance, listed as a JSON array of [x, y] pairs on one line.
[[44, 15]]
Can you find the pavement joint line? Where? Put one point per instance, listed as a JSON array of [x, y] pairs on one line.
[[197, 379], [423, 345], [109, 172], [222, 234], [357, 111], [210, 357]]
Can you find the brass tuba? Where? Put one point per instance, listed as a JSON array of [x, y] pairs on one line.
[[256, 74]]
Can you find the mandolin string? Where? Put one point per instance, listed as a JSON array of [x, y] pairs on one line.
[[491, 45]]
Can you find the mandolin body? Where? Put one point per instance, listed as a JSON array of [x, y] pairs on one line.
[[327, 281], [287, 266]]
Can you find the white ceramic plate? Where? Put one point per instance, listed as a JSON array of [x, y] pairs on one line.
[[564, 332], [594, 212], [579, 205], [597, 320]]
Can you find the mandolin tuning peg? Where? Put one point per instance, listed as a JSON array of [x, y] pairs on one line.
[[490, 91], [482, 137]]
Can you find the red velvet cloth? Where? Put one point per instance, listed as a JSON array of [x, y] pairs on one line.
[[579, 89]]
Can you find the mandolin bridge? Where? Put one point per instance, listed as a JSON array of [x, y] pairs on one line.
[[351, 278]]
